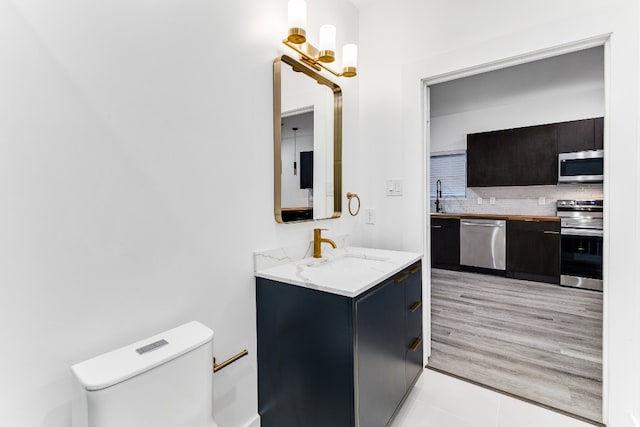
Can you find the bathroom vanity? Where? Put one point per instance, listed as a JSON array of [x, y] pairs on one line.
[[339, 339]]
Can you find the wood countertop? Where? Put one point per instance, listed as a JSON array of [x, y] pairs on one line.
[[496, 216]]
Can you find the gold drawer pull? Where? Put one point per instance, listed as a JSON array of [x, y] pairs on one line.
[[416, 305], [416, 344], [401, 277], [416, 269]]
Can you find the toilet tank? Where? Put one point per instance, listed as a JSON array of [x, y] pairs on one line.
[[163, 381]]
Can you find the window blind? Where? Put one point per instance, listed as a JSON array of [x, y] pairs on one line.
[[451, 170]]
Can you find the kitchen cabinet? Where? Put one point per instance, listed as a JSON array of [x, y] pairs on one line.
[[297, 214], [533, 250], [598, 133], [513, 157], [580, 135], [445, 243], [331, 360]]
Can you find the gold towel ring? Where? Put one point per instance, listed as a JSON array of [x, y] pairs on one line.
[[351, 196]]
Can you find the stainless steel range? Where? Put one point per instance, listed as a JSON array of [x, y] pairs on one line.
[[581, 243]]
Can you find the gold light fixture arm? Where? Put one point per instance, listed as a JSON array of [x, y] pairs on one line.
[[309, 55]]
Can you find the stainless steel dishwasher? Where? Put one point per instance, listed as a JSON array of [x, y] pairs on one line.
[[483, 243]]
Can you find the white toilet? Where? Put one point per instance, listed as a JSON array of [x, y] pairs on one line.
[[162, 381]]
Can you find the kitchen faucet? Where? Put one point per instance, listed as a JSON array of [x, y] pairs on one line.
[[438, 195]]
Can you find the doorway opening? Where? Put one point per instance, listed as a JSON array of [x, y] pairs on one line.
[[499, 315]]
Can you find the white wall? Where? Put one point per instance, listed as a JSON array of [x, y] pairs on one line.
[[429, 39], [136, 179], [292, 194], [557, 89]]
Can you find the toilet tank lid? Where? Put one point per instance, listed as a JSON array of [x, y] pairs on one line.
[[126, 362]]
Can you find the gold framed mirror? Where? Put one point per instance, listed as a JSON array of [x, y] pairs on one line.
[[307, 143]]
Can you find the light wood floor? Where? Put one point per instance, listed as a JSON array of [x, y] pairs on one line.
[[536, 340]]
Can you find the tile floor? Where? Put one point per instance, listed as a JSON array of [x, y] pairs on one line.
[[438, 400]]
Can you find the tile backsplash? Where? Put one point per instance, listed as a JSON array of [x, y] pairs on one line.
[[518, 200]]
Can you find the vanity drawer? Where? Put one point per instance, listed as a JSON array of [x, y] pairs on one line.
[[413, 302], [413, 322], [413, 360]]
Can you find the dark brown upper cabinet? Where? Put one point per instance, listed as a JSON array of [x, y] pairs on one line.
[[512, 157], [599, 133], [527, 155], [580, 135]]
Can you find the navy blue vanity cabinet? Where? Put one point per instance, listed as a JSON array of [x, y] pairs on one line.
[[413, 319], [330, 360], [380, 353]]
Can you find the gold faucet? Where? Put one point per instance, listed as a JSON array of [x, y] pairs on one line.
[[318, 240]]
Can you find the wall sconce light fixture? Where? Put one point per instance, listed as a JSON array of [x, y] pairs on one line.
[[317, 57]]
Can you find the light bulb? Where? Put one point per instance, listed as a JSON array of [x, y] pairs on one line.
[[297, 21], [327, 43], [349, 60]]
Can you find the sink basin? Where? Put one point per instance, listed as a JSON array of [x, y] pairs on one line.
[[346, 270], [349, 261]]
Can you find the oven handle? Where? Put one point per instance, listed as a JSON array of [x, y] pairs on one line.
[[587, 232]]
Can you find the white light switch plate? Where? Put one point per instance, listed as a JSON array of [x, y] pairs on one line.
[[492, 200], [393, 187], [479, 200], [541, 201], [370, 216]]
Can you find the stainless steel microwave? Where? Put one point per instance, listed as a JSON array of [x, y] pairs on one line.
[[581, 166]]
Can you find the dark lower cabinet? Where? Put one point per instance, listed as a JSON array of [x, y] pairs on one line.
[[330, 360], [533, 250], [445, 243], [300, 214]]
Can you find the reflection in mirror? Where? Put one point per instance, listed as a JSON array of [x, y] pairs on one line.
[[307, 143], [297, 165]]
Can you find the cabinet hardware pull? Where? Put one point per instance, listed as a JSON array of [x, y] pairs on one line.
[[436, 226], [401, 277], [416, 305], [551, 232], [415, 269], [416, 344]]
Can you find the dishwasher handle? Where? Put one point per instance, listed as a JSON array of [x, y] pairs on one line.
[[479, 224]]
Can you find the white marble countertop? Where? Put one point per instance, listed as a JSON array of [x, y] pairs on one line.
[[347, 271]]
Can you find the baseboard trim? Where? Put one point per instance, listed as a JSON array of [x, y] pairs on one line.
[[255, 421]]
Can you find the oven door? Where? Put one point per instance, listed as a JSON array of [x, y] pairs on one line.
[[581, 258]]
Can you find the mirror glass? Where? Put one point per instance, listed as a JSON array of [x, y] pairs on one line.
[[307, 143]]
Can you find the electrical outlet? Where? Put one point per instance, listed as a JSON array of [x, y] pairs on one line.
[[492, 201], [479, 200], [370, 216], [541, 201]]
